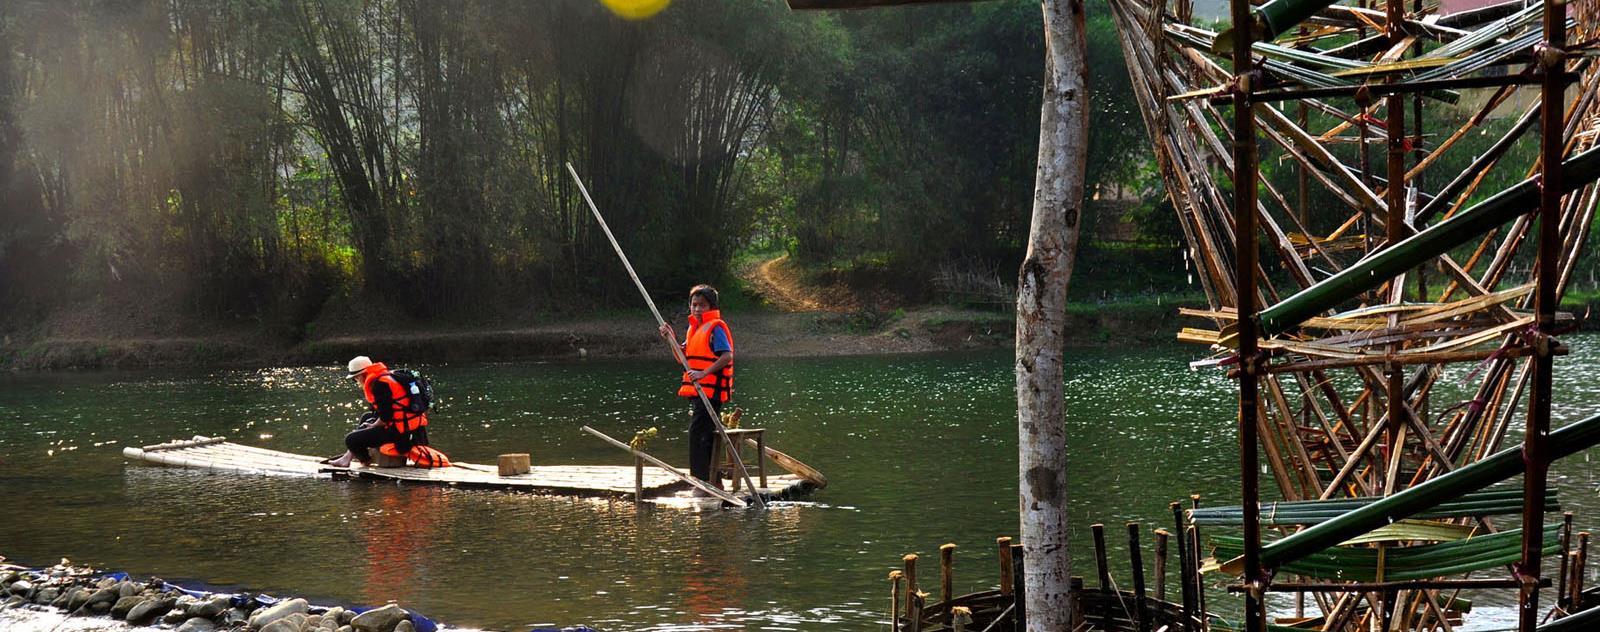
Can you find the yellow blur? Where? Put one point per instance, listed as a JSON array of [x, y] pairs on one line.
[[635, 9]]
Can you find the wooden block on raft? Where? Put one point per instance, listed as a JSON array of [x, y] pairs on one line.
[[380, 459], [514, 464]]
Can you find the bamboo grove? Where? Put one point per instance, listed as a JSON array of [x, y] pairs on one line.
[[1390, 246], [241, 156]]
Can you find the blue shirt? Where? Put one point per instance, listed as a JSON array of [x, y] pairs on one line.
[[719, 341]]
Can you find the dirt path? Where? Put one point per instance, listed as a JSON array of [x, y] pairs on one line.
[[780, 285]]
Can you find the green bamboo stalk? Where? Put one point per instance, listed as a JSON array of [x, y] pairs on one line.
[[1271, 20], [1494, 502], [1497, 467], [1374, 270], [1418, 562]]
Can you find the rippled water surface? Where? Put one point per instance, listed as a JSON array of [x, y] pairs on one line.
[[920, 450]]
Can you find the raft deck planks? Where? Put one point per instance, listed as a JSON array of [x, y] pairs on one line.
[[216, 453]]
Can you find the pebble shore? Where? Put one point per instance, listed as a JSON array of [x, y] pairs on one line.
[[84, 592]]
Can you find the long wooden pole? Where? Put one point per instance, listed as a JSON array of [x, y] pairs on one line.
[[725, 496], [738, 462], [1245, 179], [1536, 452]]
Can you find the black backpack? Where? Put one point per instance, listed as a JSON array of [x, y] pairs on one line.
[[419, 391]]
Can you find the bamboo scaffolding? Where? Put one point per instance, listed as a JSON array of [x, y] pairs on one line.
[[1381, 437]]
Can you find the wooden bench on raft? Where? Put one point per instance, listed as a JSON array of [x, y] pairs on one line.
[[738, 437]]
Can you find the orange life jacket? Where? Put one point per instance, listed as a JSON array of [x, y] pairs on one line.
[[377, 376], [420, 455], [697, 350]]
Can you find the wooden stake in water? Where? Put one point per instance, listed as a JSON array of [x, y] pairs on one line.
[[1006, 570], [738, 462], [910, 560], [947, 574], [894, 600]]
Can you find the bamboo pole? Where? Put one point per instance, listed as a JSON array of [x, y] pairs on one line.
[[910, 569], [1100, 564], [1502, 465], [1578, 568], [1562, 601], [725, 496], [1553, 174], [793, 465], [1435, 240], [638, 479], [676, 352], [1006, 570], [1184, 580], [947, 577], [1141, 612], [894, 600], [1161, 563]]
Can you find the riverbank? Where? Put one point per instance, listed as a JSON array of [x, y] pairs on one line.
[[113, 601], [758, 333]]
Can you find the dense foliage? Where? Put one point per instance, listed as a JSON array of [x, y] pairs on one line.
[[240, 157]]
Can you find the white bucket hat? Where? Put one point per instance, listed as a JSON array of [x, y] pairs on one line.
[[358, 364]]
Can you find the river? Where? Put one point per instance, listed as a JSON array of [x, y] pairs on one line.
[[920, 450]]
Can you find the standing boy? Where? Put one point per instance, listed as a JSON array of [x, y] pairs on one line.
[[708, 347]]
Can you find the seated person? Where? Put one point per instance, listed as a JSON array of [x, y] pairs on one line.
[[386, 421]]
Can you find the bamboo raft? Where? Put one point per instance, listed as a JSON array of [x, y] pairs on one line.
[[643, 482]]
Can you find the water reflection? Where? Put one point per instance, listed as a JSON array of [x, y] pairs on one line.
[[921, 450], [398, 535]]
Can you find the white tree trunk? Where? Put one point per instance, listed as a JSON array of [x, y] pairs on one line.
[[1041, 319]]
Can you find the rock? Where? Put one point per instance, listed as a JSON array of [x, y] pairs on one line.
[[197, 624], [180, 609], [61, 600], [234, 616], [312, 622], [150, 609], [380, 619], [282, 609], [129, 589], [405, 626], [345, 628], [330, 625], [287, 623], [333, 614], [105, 596], [211, 607], [105, 583], [21, 587], [46, 595], [7, 577], [76, 597], [126, 604], [99, 607], [345, 617], [175, 616]]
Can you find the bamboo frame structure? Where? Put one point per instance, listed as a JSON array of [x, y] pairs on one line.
[[1338, 305]]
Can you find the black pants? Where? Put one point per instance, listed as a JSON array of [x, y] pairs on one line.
[[358, 441], [702, 434]]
